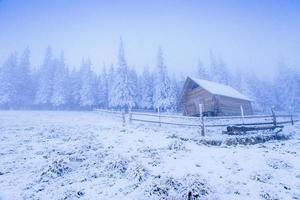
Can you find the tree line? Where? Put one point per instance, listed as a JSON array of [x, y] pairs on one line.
[[54, 85]]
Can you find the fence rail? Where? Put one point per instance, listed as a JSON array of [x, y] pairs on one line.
[[201, 121], [160, 122], [163, 116], [207, 118], [108, 111]]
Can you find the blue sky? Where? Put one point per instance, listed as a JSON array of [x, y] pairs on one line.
[[245, 34]]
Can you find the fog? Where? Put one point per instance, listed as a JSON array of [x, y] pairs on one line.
[[253, 36], [117, 54]]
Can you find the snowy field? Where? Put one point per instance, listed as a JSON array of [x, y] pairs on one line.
[[88, 155]]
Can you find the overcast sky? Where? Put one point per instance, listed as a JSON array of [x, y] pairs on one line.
[[246, 34]]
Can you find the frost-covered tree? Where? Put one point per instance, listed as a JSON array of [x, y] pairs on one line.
[[287, 88], [218, 70], [99, 92], [74, 89], [260, 91], [8, 90], [23, 83], [172, 95], [202, 71], [161, 84], [265, 95], [88, 86], [134, 85], [214, 68], [146, 85], [110, 80], [121, 92], [52, 85], [103, 88], [242, 82], [60, 93], [45, 76], [180, 83], [253, 90]]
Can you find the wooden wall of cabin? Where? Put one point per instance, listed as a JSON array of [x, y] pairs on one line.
[[215, 104], [196, 96], [231, 106]]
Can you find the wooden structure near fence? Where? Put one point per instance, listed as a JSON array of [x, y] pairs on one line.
[[217, 99], [262, 122]]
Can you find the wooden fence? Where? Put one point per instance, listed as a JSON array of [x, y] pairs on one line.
[[203, 122]]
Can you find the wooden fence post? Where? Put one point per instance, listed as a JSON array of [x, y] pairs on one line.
[[242, 114], [201, 120], [130, 115], [158, 112], [274, 117], [123, 118], [291, 115]]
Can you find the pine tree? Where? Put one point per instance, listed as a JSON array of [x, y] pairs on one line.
[[261, 92], [172, 95], [100, 92], [214, 68], [8, 90], [110, 81], [134, 87], [45, 75], [88, 86], [60, 95], [74, 87], [218, 70], [287, 88], [23, 82], [121, 92], [282, 85], [202, 71], [161, 84], [180, 83], [292, 101], [254, 91], [104, 88], [264, 95], [146, 84], [245, 86]]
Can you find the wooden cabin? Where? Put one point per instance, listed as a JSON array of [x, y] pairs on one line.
[[216, 99]]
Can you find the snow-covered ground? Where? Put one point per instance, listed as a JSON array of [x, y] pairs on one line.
[[88, 155]]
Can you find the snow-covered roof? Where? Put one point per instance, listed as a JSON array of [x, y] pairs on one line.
[[219, 89]]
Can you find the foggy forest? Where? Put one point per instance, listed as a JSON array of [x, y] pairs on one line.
[[57, 86]]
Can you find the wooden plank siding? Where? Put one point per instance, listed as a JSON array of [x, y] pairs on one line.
[[231, 106], [197, 96]]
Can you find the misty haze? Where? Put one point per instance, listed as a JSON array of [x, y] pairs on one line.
[[149, 99]]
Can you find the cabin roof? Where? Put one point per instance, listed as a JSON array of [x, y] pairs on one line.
[[219, 89]]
